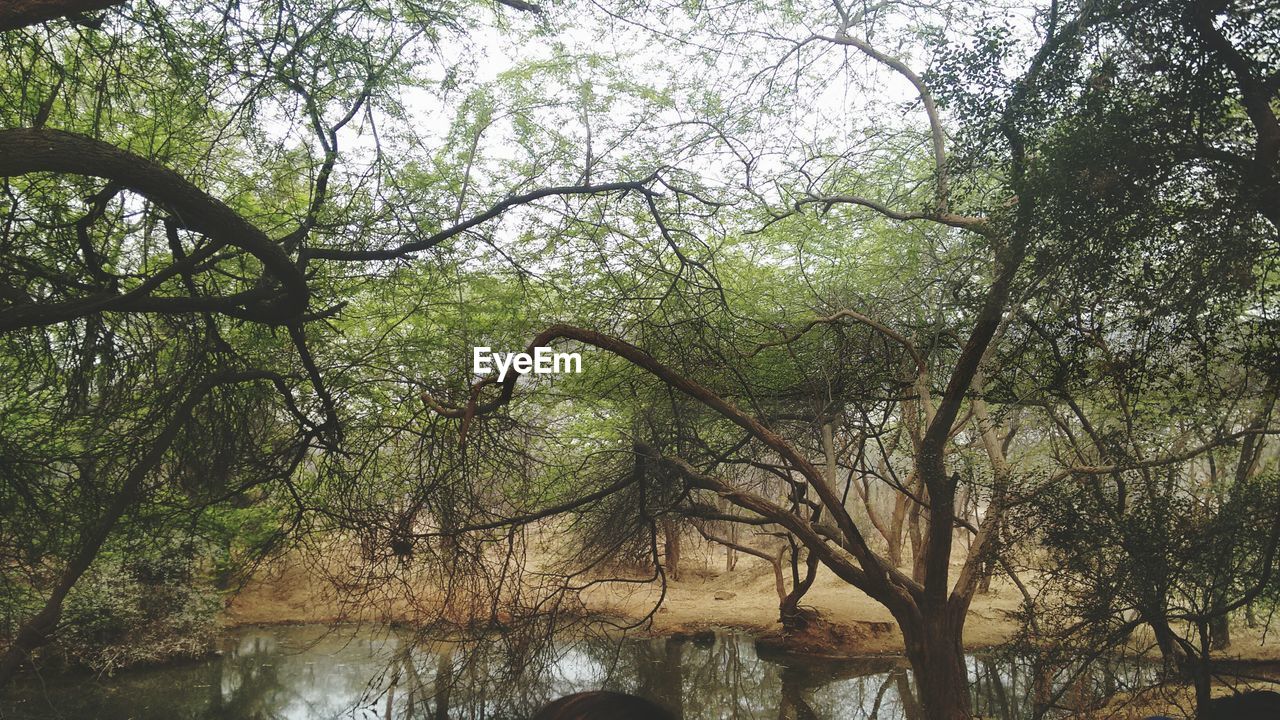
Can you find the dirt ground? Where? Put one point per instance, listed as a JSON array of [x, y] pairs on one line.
[[745, 598], [707, 597], [704, 597]]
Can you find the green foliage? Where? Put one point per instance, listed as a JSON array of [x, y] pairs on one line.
[[769, 161], [138, 607]]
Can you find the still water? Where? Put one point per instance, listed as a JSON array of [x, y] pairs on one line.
[[318, 673]]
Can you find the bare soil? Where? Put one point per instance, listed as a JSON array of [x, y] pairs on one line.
[[705, 596]]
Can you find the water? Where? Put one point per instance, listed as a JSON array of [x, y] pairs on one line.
[[316, 673]]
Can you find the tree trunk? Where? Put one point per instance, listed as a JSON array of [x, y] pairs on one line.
[[988, 569], [443, 684], [897, 527], [671, 547], [672, 686], [661, 676], [936, 653], [39, 629], [1171, 652], [910, 707], [916, 534], [779, 584], [792, 705], [391, 695], [1203, 674], [1041, 688], [730, 554], [989, 565], [789, 609], [1220, 632], [999, 696], [894, 551]]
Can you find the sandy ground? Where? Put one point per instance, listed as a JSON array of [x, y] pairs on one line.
[[745, 598], [708, 597], [705, 596]]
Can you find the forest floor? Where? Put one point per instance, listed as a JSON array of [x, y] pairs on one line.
[[704, 597]]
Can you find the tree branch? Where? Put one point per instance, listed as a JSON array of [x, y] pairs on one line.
[[879, 572], [24, 151], [640, 186], [16, 14]]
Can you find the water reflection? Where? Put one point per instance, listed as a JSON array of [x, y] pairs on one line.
[[313, 673]]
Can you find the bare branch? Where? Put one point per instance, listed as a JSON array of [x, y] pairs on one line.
[[639, 186], [938, 135], [964, 222]]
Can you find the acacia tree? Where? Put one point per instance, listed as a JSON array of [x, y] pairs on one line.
[[228, 193], [930, 610], [1014, 208], [1153, 363], [193, 196]]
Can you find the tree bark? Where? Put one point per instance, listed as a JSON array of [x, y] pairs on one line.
[[671, 547], [789, 609], [1171, 652], [16, 14], [24, 151], [935, 651], [898, 524], [1220, 632], [730, 554]]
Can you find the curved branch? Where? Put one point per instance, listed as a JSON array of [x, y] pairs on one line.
[[16, 14], [1161, 461], [534, 516], [866, 578], [879, 327], [879, 572], [936, 131], [973, 223], [25, 150]]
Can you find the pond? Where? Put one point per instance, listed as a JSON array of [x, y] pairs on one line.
[[317, 673]]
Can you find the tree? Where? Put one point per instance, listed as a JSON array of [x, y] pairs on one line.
[[1014, 132], [1152, 364], [785, 306], [187, 312], [1168, 519]]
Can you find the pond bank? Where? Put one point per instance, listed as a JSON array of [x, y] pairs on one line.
[[311, 672], [701, 600], [743, 599], [375, 672]]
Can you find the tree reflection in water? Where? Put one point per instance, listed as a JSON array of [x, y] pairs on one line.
[[305, 673]]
